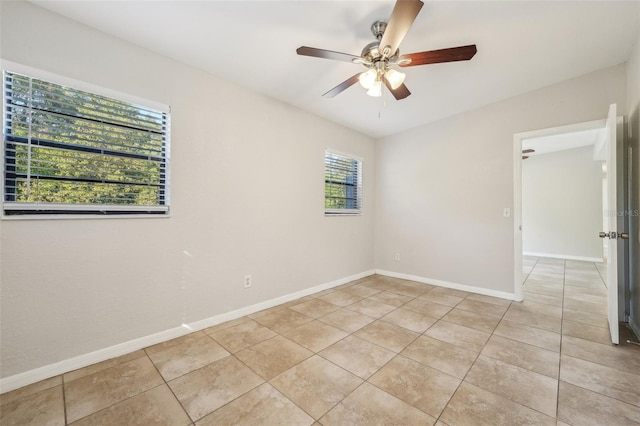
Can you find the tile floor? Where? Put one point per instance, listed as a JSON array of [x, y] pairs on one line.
[[378, 351]]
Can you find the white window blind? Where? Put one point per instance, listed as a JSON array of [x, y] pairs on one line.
[[71, 151], [342, 184]]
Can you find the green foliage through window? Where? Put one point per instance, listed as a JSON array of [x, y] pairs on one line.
[[342, 184], [67, 150]]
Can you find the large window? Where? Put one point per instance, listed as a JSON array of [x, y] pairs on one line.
[[342, 184], [67, 151]]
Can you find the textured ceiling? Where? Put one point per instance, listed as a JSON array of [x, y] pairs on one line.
[[522, 46]]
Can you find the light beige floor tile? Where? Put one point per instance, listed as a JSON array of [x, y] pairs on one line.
[[440, 355], [371, 308], [358, 356], [624, 358], [204, 391], [34, 388], [552, 278], [410, 320], [227, 324], [534, 320], [537, 308], [297, 301], [489, 299], [441, 298], [263, 406], [362, 290], [475, 406], [369, 405], [273, 356], [270, 310], [155, 407], [573, 291], [422, 387], [450, 291], [415, 290], [585, 317], [390, 298], [179, 341], [347, 320], [554, 290], [523, 386], [242, 336], [578, 406], [283, 320], [458, 335], [530, 335], [541, 298], [472, 320], [181, 359], [482, 308], [94, 368], [387, 335], [589, 298], [315, 308], [586, 331], [578, 283], [315, 335], [41, 408], [608, 381], [341, 298], [523, 355], [316, 385], [430, 309], [92, 393], [592, 308]]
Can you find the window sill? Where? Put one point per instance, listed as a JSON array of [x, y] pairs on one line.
[[83, 216]]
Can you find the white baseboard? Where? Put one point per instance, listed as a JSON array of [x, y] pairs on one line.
[[447, 284], [41, 373], [564, 256]]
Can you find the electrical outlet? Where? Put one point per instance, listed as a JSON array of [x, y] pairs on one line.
[[396, 257], [247, 281]]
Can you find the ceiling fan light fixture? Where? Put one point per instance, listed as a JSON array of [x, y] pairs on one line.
[[368, 78], [376, 89], [394, 78]]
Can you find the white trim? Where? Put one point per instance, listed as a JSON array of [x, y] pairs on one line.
[[32, 376], [448, 284], [564, 256]]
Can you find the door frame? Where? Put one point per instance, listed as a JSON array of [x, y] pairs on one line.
[[517, 188]]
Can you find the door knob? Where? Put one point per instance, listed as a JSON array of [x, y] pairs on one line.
[[623, 235]]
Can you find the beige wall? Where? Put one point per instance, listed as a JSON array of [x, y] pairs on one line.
[[247, 194], [441, 188], [633, 120], [562, 204]]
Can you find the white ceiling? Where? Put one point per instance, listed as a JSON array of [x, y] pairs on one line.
[[562, 142], [522, 46]]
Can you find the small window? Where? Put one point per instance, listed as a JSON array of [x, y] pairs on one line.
[[68, 151], [342, 184]]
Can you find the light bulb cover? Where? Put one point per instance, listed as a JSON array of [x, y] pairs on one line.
[[376, 89], [368, 78], [394, 78]]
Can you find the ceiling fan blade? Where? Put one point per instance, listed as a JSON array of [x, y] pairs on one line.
[[528, 151], [400, 93], [325, 54], [342, 86], [452, 54], [403, 15]]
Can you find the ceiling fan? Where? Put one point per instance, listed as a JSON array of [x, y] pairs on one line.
[[380, 55]]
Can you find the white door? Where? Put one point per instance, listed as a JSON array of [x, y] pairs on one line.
[[612, 232]]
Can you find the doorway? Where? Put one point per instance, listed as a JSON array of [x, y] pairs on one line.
[[521, 141]]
